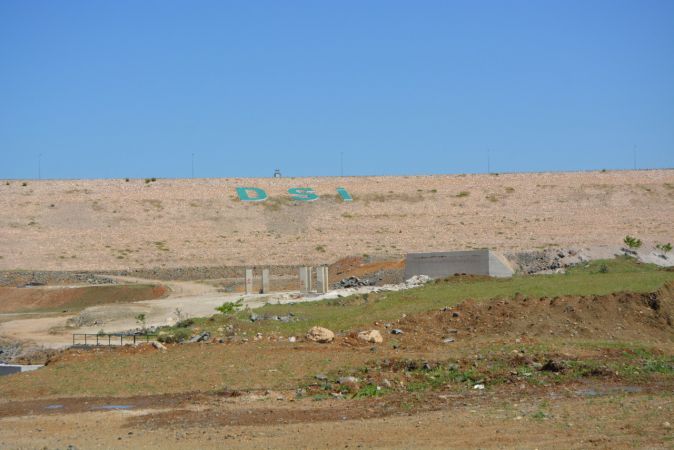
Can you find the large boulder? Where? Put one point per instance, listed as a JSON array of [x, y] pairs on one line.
[[372, 336], [320, 335]]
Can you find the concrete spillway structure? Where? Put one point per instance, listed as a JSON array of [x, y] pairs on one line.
[[8, 369], [444, 264]]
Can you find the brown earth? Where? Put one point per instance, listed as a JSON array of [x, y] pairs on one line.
[[256, 404], [624, 316], [15, 300], [116, 225], [485, 421]]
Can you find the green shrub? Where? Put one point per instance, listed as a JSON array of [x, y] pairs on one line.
[[632, 242], [664, 248], [229, 307], [370, 390], [175, 336], [185, 323]]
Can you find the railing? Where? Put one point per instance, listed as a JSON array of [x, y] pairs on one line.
[[110, 339]]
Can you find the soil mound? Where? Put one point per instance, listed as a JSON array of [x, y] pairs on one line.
[[378, 272], [47, 299], [619, 316]]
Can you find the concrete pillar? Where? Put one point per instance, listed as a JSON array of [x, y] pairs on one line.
[[265, 281], [310, 283], [303, 279], [249, 281], [326, 280], [322, 279]]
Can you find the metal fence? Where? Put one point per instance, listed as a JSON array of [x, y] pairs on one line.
[[110, 339]]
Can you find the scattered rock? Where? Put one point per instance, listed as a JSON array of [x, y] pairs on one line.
[[396, 331], [292, 339], [553, 366], [321, 377], [479, 387], [200, 337], [320, 335], [158, 346], [352, 282], [373, 336], [348, 380], [448, 340]]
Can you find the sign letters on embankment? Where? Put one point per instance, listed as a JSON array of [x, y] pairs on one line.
[[303, 194]]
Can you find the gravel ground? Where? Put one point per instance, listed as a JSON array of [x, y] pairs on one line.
[[103, 225]]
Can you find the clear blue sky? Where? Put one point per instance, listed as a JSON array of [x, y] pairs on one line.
[[133, 88]]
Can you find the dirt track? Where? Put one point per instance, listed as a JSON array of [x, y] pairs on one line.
[[485, 421], [113, 224]]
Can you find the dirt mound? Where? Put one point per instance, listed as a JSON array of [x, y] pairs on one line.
[[619, 316], [379, 272], [49, 299]]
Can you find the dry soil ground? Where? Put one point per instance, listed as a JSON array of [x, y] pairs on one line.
[[571, 371], [114, 224]]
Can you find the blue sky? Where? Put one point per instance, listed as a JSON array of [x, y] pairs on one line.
[[133, 88]]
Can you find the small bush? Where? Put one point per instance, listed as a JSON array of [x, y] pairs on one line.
[[632, 242], [24, 184], [462, 194], [228, 307], [141, 319], [185, 323], [603, 268], [175, 336], [369, 390], [320, 248], [664, 248]]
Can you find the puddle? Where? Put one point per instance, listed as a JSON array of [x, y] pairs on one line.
[[612, 390], [53, 407], [108, 407]]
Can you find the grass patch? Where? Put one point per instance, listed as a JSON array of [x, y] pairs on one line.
[[624, 274]]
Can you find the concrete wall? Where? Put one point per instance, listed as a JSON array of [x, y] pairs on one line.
[[8, 369], [499, 266], [443, 264]]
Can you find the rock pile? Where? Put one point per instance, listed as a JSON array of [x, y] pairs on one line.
[[548, 260], [372, 336], [352, 282], [320, 335]]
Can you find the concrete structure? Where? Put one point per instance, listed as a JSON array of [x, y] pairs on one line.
[[322, 279], [8, 369], [305, 280], [249, 281], [265, 281], [444, 264]]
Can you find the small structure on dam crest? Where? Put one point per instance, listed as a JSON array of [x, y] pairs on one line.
[[444, 264]]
